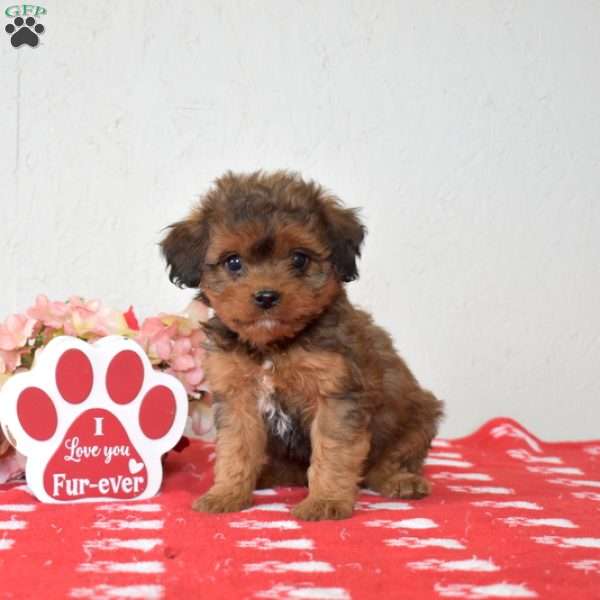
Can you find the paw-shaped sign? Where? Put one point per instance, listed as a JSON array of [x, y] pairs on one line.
[[93, 420]]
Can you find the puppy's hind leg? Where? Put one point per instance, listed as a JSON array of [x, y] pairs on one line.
[[398, 472], [393, 477]]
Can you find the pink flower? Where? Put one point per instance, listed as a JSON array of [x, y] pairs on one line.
[[202, 424], [197, 339], [9, 361], [175, 340], [90, 319], [156, 338], [151, 327], [51, 314], [172, 341], [182, 345], [15, 332], [183, 362], [196, 311], [194, 376], [181, 356]]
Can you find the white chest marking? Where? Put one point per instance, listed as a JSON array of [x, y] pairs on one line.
[[279, 422]]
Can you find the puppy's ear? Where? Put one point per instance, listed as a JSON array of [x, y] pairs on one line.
[[345, 233], [184, 249]]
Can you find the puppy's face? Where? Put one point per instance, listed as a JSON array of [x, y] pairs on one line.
[[268, 252]]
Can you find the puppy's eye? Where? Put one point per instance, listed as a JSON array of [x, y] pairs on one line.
[[233, 263], [300, 260]]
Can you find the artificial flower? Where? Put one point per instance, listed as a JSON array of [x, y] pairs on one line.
[[51, 314], [15, 332], [173, 342]]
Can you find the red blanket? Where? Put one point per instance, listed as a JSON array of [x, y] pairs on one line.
[[510, 517]]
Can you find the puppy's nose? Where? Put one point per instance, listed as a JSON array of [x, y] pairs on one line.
[[267, 298]]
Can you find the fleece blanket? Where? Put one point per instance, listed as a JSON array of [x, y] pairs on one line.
[[510, 517]]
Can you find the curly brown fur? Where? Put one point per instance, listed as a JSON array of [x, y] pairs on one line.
[[307, 388]]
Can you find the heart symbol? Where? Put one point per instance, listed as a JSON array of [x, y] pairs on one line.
[[134, 466]]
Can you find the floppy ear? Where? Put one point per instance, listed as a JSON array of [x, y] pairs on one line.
[[184, 249], [345, 233]]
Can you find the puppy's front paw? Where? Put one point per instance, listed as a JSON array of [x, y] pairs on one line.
[[317, 509], [221, 502]]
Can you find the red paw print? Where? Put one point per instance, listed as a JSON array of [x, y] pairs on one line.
[[93, 420]]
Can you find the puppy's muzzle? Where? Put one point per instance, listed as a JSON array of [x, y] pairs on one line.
[[267, 298]]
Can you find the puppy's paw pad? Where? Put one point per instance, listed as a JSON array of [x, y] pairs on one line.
[[406, 486], [221, 502], [314, 509]]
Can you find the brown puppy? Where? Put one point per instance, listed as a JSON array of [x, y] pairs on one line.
[[307, 388]]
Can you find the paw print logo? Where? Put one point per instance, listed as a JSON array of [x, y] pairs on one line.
[[93, 420], [24, 32]]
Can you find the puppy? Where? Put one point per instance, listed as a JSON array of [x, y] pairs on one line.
[[307, 389]]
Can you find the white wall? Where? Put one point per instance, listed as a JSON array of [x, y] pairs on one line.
[[468, 131]]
